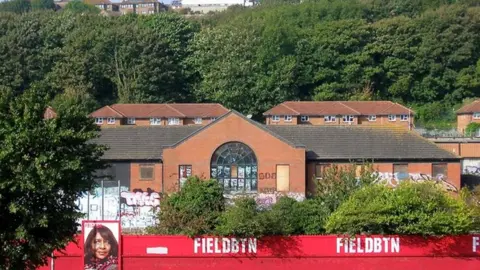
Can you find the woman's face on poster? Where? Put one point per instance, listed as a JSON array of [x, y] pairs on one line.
[[101, 247]]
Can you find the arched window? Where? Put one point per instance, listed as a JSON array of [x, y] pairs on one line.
[[234, 165]]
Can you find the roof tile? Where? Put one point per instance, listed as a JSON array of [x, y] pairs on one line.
[[470, 108], [163, 110]]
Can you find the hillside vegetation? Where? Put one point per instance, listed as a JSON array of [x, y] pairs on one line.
[[422, 53]]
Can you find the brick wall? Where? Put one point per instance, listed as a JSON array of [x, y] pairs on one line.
[[137, 183]]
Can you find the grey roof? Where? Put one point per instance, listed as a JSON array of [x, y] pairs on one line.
[[361, 142], [145, 143], [320, 142]]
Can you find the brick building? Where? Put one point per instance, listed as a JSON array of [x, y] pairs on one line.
[[249, 157], [468, 114], [173, 114], [339, 113]]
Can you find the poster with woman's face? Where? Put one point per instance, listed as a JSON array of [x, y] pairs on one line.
[[101, 249]]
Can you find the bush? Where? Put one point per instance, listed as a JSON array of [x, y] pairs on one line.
[[471, 129], [411, 208], [243, 219], [339, 183], [194, 210]]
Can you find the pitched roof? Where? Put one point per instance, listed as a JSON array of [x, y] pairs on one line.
[[321, 142], [49, 113], [361, 142], [470, 108], [148, 110], [338, 108]]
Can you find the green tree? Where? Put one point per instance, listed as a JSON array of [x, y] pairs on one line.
[[194, 210], [42, 4], [78, 6], [410, 208], [45, 166], [15, 6], [243, 219]]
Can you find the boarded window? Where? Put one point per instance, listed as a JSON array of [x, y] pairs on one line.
[[439, 171], [184, 171], [146, 171], [400, 171], [283, 177]]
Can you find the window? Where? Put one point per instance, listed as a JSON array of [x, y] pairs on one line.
[[319, 170], [213, 119], [476, 115], [197, 120], [234, 165], [275, 118], [283, 177], [98, 121], [392, 117], [400, 171], [155, 121], [173, 121], [439, 171], [146, 171], [347, 118], [404, 117], [131, 121], [372, 118], [111, 120], [330, 118], [288, 118], [304, 118], [184, 171]]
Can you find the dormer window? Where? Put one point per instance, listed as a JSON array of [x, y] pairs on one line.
[[275, 118], [155, 121], [372, 118], [476, 115], [329, 118], [392, 117], [304, 118], [111, 120], [98, 120], [288, 118], [173, 121], [404, 117]]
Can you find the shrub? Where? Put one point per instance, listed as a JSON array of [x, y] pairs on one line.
[[243, 219], [411, 208], [471, 129], [339, 183], [194, 210]]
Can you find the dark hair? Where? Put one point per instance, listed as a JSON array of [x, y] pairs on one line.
[[107, 234]]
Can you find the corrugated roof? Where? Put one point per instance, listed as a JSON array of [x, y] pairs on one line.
[[164, 110], [338, 108], [361, 142], [470, 108]]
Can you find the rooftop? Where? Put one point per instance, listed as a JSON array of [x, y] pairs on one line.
[[147, 110], [470, 108]]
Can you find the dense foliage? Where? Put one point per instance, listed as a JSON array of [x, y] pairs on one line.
[[194, 210], [45, 167], [422, 53], [410, 208]]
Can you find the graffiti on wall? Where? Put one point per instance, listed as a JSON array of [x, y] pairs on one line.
[[394, 179], [471, 167], [135, 209]]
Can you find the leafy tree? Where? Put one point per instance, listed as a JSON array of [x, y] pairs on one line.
[[42, 4], [15, 6], [242, 219], [45, 166], [78, 6], [472, 129], [339, 183], [411, 208], [194, 210]]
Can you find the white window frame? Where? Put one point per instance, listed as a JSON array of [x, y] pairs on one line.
[[111, 120], [287, 118], [173, 121], [131, 120], [404, 117], [213, 119], [347, 118], [99, 120], [275, 118], [197, 120], [330, 118], [372, 118], [392, 117], [155, 121], [304, 118], [476, 115]]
